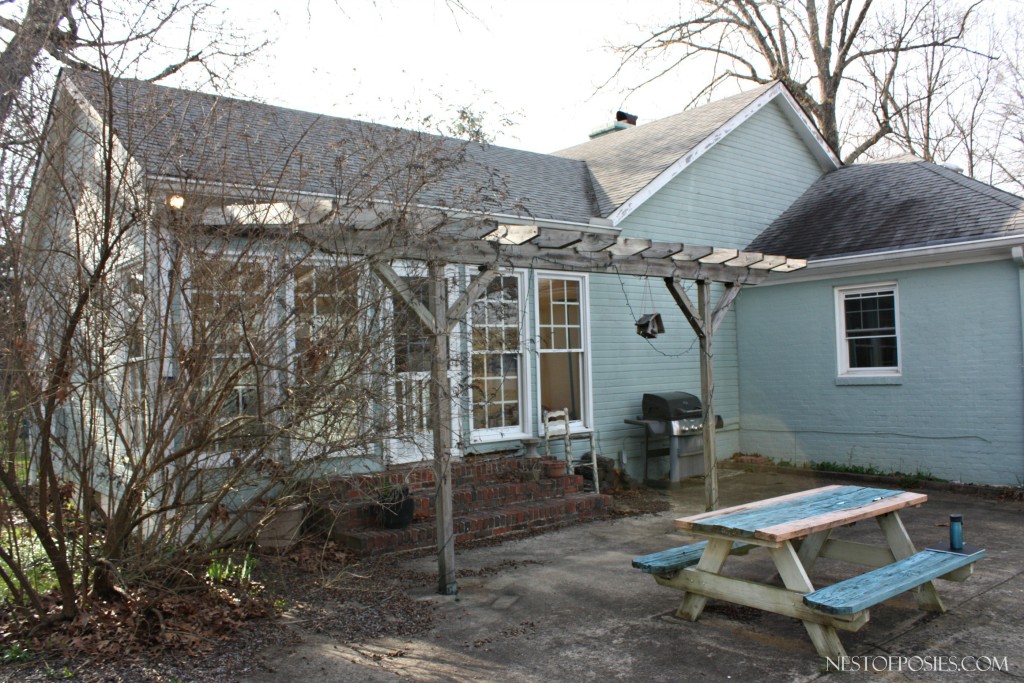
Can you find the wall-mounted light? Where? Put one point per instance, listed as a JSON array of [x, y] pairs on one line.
[[175, 201]]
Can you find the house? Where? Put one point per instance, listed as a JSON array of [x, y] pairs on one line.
[[550, 327], [899, 346]]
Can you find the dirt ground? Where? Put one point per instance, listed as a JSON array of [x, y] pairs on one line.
[[567, 606], [314, 590]]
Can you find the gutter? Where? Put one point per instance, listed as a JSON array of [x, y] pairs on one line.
[[595, 225], [976, 251]]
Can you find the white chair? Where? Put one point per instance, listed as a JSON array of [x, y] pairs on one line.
[[556, 426]]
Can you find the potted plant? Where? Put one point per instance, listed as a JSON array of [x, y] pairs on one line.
[[554, 468], [395, 507], [530, 471]]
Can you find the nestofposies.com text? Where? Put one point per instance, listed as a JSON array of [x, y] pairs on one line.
[[927, 663]]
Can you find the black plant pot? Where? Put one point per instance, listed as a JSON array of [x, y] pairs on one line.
[[396, 508]]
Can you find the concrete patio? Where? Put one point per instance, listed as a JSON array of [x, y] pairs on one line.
[[572, 609]]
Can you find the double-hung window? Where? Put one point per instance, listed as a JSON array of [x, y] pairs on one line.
[[562, 345], [868, 330]]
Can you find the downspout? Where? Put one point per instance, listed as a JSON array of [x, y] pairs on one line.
[[1018, 258]]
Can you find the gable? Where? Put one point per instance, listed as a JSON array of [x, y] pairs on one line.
[[729, 194], [630, 166]]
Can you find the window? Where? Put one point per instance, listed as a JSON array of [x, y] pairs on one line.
[[496, 374], [561, 323], [134, 293], [412, 340], [868, 330], [327, 337], [230, 304]]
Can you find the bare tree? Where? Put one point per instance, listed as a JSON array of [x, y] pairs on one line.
[[1003, 149], [837, 57], [188, 352]]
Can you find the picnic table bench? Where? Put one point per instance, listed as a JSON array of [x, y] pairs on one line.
[[796, 531]]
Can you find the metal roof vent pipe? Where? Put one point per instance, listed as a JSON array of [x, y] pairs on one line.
[[623, 120]]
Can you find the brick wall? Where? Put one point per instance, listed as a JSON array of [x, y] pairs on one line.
[[956, 413]]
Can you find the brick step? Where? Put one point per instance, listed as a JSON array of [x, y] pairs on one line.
[[361, 512], [496, 471], [484, 496], [488, 523]]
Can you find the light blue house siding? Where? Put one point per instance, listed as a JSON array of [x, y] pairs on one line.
[[725, 198], [956, 413]]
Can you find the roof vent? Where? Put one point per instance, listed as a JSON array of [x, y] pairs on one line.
[[622, 120]]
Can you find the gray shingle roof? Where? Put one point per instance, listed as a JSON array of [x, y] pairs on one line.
[[896, 204], [624, 162], [182, 134]]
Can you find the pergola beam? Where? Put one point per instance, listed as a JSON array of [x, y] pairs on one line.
[[563, 250]]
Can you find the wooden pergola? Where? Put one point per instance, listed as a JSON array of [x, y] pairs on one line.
[[492, 247]]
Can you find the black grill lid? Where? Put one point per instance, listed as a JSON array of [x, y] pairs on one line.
[[671, 405]]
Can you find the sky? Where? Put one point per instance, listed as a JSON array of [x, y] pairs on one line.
[[533, 68]]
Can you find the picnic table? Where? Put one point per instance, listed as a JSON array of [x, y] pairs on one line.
[[796, 529]]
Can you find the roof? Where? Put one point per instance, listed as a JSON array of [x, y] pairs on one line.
[[624, 162], [177, 133], [182, 134], [890, 205]]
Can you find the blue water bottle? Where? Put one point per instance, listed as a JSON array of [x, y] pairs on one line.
[[956, 532]]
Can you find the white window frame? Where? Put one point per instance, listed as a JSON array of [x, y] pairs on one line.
[[525, 427], [587, 414], [842, 346], [291, 328], [217, 457]]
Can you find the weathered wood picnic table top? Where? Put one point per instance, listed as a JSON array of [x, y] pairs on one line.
[[784, 518]]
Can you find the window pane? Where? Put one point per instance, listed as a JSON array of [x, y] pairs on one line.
[[562, 382], [870, 319], [561, 344], [412, 338], [326, 319]]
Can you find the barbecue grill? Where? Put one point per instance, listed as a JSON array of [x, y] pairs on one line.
[[678, 417]]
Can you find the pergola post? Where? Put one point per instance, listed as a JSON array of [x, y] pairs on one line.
[[440, 319], [440, 400], [707, 396], [705, 322]]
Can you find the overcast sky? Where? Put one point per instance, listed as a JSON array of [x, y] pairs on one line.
[[536, 63]]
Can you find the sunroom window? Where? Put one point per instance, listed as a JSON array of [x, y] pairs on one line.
[[327, 342], [230, 304], [496, 358]]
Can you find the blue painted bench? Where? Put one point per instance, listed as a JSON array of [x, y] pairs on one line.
[[674, 559], [878, 585]]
